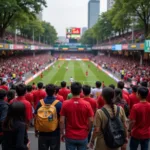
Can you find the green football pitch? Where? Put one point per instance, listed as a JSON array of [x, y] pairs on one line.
[[77, 70]]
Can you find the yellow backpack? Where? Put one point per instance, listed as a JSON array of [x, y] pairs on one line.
[[46, 120]]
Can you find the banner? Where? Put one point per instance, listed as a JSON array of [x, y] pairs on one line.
[[125, 47], [147, 46]]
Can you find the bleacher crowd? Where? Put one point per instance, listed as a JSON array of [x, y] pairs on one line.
[[133, 71], [13, 69], [67, 114]]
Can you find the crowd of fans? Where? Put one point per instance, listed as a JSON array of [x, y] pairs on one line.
[[133, 71], [125, 38], [11, 39], [120, 114], [14, 68]]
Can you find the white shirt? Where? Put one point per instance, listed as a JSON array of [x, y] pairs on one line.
[[71, 80], [96, 92]]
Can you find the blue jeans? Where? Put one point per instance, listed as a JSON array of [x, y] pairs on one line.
[[76, 144], [134, 143]]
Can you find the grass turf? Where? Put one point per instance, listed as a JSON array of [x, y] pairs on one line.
[[77, 70]]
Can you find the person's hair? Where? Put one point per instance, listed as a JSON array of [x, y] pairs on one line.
[[68, 87], [120, 85], [144, 84], [98, 84], [13, 87], [76, 88], [50, 89], [16, 112], [63, 84], [21, 89], [112, 86], [108, 96], [3, 94], [3, 83], [11, 95], [40, 85], [86, 90], [33, 83], [134, 88], [57, 88], [29, 88], [143, 92], [118, 95]]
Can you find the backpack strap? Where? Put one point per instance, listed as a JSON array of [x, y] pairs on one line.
[[42, 102], [106, 112], [118, 111], [55, 102]]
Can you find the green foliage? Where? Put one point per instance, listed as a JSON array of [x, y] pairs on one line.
[[18, 12], [88, 37], [121, 17]]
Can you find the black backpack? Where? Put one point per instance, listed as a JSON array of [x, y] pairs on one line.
[[114, 132]]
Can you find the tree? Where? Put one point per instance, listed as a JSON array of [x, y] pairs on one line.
[[137, 8], [13, 12], [103, 28], [50, 35], [88, 37]]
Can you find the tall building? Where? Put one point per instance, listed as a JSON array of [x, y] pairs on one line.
[[110, 4], [93, 12], [83, 30]]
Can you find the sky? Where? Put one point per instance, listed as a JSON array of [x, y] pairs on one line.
[[68, 13]]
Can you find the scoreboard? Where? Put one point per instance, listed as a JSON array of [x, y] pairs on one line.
[[73, 33]]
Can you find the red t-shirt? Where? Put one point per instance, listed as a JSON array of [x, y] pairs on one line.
[[60, 98], [140, 114], [38, 95], [29, 97], [126, 97], [133, 100], [77, 113], [27, 106], [100, 102], [4, 87], [64, 93], [92, 102]]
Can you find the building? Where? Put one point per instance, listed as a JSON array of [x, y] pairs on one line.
[[40, 16], [93, 12], [110, 4], [83, 30]]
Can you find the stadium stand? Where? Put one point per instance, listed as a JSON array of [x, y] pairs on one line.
[[10, 39], [15, 67], [133, 70]]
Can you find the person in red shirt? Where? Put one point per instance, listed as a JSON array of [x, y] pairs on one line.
[[21, 91], [100, 102], [133, 97], [125, 94], [64, 91], [87, 92], [33, 86], [4, 86], [79, 119], [86, 73], [29, 95], [145, 84], [39, 94], [41, 75], [58, 97], [140, 122]]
